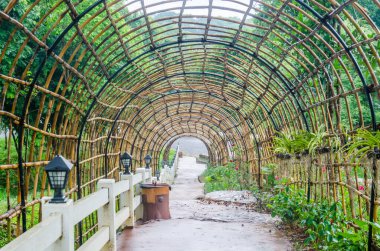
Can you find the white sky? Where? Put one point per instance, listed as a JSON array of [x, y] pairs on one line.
[[165, 4]]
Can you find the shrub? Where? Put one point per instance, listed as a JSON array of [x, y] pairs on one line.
[[326, 225], [288, 205], [228, 177]]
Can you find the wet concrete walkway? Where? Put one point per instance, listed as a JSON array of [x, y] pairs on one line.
[[199, 226]]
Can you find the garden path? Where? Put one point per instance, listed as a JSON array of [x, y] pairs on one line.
[[200, 226]]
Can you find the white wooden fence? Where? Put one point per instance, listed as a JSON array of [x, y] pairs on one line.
[[56, 230], [168, 173]]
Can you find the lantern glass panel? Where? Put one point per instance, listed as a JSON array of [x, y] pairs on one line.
[[147, 159], [126, 162], [57, 179]]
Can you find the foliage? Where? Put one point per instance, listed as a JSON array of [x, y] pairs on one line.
[[31, 221], [228, 177], [301, 141], [325, 224], [4, 152], [283, 143], [316, 141], [363, 143], [3, 238], [296, 142], [4, 159], [287, 205], [321, 221], [335, 142], [269, 170], [172, 153]]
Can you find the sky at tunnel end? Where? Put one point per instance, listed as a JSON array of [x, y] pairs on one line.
[[191, 146]]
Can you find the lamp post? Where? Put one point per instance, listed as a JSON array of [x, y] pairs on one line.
[[58, 172], [147, 159], [126, 161]]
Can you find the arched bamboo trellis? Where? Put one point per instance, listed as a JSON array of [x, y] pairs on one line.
[[90, 79]]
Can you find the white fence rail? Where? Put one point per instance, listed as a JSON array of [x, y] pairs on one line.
[[56, 230], [168, 173]]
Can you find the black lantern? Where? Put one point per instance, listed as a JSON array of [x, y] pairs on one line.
[[147, 159], [158, 173], [126, 161], [57, 171]]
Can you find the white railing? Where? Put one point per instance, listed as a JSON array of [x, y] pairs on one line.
[[168, 173], [56, 230]]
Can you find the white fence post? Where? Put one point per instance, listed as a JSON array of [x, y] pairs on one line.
[[128, 199], [66, 242], [106, 214], [140, 209], [168, 173], [162, 175], [148, 175]]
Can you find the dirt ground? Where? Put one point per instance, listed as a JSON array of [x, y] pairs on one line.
[[197, 225]]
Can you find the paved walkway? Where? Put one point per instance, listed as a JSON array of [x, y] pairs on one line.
[[199, 226]]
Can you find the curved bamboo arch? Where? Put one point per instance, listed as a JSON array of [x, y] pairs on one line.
[[187, 130], [220, 153], [88, 80], [156, 111]]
